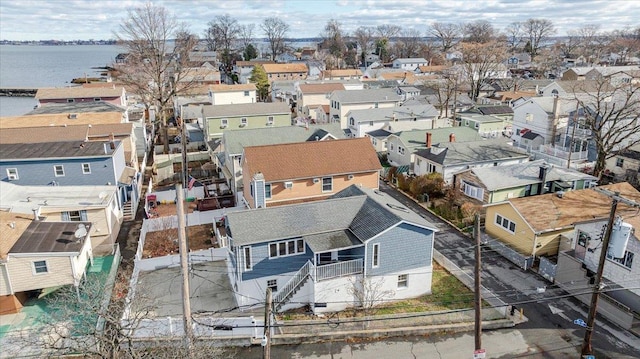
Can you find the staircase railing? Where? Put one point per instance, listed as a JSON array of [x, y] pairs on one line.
[[293, 284]]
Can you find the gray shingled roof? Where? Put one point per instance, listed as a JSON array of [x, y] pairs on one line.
[[379, 133], [366, 96], [472, 152], [522, 174], [28, 151], [324, 242], [246, 109], [415, 139], [363, 212], [236, 140]]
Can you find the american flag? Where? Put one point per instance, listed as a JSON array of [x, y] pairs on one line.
[[192, 181]]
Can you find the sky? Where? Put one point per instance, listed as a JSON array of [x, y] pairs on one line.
[[98, 20]]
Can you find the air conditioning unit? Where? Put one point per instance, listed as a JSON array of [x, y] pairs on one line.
[[223, 126], [288, 184], [316, 180], [243, 124], [350, 177]]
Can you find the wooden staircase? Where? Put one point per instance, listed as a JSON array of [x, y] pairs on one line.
[[127, 212]]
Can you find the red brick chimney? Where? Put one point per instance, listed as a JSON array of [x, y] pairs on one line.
[[428, 141], [452, 137]]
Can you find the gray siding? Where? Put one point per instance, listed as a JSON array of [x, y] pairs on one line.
[[404, 247], [265, 267], [34, 173]]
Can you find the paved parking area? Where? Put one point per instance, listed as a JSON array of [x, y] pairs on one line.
[[211, 289]]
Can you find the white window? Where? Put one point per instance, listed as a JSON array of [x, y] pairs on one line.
[[375, 257], [403, 281], [472, 191], [267, 190], [506, 224], [327, 184], [273, 284], [375, 105], [270, 120], [224, 122], [476, 124], [76, 216], [391, 147], [352, 121], [243, 121], [286, 248], [247, 259], [246, 93], [528, 117], [12, 174], [374, 141], [40, 267], [86, 168], [97, 99], [401, 150], [619, 162], [626, 260], [58, 170]]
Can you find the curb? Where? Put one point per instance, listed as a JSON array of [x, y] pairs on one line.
[[370, 334]]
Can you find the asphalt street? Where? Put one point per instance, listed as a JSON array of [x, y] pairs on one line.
[[550, 311]]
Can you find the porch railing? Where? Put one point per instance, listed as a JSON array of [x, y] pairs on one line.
[[293, 284], [339, 269]]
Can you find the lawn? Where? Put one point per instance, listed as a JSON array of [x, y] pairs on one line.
[[447, 293]]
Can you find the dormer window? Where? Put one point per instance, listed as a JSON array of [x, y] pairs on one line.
[[70, 100], [73, 116], [96, 99]]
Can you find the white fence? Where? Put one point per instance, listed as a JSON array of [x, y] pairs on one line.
[[204, 255]]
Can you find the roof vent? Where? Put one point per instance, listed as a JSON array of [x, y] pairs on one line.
[[398, 208]]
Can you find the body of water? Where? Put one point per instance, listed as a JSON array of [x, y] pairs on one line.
[[25, 66]]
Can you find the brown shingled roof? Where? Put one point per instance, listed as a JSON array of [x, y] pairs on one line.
[[549, 211], [12, 225], [312, 159], [320, 88], [284, 68], [56, 93], [231, 88], [63, 133]]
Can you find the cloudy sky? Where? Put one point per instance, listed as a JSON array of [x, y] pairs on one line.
[[92, 19]]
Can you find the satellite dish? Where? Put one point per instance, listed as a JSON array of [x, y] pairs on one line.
[[81, 232]]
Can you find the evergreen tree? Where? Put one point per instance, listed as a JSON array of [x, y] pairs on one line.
[[250, 52], [259, 77]]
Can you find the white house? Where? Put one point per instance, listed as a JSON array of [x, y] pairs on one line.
[[409, 64], [398, 118], [232, 94], [341, 102]]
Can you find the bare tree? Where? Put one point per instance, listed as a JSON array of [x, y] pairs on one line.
[[592, 42], [480, 62], [446, 33], [514, 35], [333, 42], [224, 31], [276, 31], [612, 112], [408, 44], [246, 34], [152, 71], [569, 46], [537, 31], [480, 31], [368, 293], [364, 38], [387, 31]]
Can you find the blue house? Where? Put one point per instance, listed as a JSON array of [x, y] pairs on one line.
[[330, 254], [70, 163]]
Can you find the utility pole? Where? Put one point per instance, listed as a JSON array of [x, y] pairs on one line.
[[266, 339], [615, 196], [478, 296], [184, 265]]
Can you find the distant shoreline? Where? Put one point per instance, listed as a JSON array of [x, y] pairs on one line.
[[18, 92]]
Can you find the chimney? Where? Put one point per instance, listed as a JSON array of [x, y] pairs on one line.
[[452, 137], [542, 176], [556, 108], [428, 141], [35, 214]]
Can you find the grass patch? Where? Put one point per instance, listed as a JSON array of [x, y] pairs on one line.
[[447, 293]]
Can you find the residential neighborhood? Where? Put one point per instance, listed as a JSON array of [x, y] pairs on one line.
[[247, 188]]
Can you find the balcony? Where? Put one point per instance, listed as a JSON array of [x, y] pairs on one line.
[[561, 152], [338, 269]]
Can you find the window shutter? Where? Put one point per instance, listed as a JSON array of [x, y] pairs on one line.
[[65, 216], [83, 216]]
